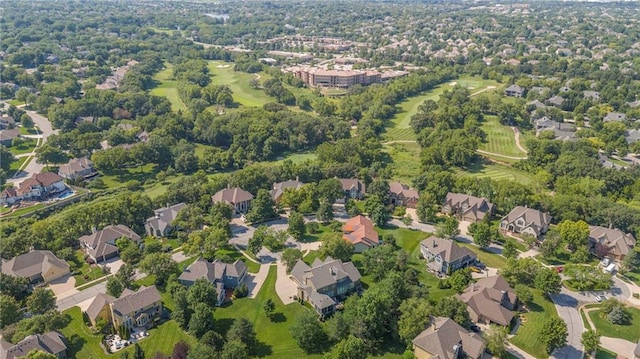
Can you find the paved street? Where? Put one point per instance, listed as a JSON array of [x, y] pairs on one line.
[[567, 308]]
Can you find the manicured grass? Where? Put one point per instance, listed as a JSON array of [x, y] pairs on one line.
[[234, 254], [118, 178], [629, 332], [239, 82], [406, 160], [500, 139], [167, 87], [529, 335], [26, 210], [314, 237], [158, 188], [605, 354], [28, 146], [482, 169], [15, 165], [407, 239], [28, 131], [310, 257]]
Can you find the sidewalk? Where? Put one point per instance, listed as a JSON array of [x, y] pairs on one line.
[[517, 352]]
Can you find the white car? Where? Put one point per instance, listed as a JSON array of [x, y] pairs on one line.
[[600, 298]]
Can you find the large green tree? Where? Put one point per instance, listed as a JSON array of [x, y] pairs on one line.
[[41, 301], [554, 334], [336, 247], [296, 227], [307, 332], [414, 318], [262, 208]]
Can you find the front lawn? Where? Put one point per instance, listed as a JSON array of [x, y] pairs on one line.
[[27, 146], [629, 332], [489, 259], [88, 272], [605, 354], [233, 254], [529, 333]]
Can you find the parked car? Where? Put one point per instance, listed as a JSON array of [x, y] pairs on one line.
[[475, 269], [480, 265], [474, 328], [600, 298]]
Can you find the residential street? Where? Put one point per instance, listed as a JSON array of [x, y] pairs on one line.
[[567, 308]]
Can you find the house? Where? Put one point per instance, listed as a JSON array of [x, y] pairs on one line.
[[7, 122], [222, 275], [325, 283], [632, 136], [7, 136], [536, 105], [36, 266], [514, 91], [160, 224], [50, 342], [359, 231], [238, 198], [135, 310], [446, 339], [556, 101], [466, 207], [593, 95], [614, 116], [610, 242], [77, 168], [353, 188], [402, 195], [100, 308], [37, 187], [101, 245], [526, 220], [278, 188], [445, 256], [490, 300], [561, 131]]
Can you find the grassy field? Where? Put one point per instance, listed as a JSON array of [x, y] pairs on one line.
[[528, 336], [167, 87], [406, 163], [500, 138], [629, 332], [223, 74], [497, 172]]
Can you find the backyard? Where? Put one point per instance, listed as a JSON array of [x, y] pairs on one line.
[[27, 145], [528, 336]]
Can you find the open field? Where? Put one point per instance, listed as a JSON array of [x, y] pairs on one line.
[[497, 172], [223, 74], [167, 87], [629, 332], [528, 336], [500, 138], [406, 160]]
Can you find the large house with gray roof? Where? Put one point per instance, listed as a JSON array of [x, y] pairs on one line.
[[325, 283], [222, 275], [50, 342], [36, 266], [514, 91], [610, 242], [278, 188], [236, 197], [403, 195], [490, 300], [466, 207], [446, 339], [77, 168], [444, 256], [526, 220], [136, 309], [101, 245], [160, 225], [353, 188]]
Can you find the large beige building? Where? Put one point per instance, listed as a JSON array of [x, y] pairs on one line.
[[319, 77]]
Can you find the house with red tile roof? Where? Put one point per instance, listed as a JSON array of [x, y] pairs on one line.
[[360, 232], [37, 187]]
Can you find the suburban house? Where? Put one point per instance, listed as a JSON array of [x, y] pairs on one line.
[[77, 168], [160, 224], [490, 300], [278, 188], [50, 342], [360, 232], [514, 91], [466, 207], [610, 242], [445, 256], [222, 275], [556, 101], [7, 122], [402, 195], [446, 339], [238, 198], [561, 131], [36, 266], [7, 136], [37, 187], [101, 245], [134, 310], [353, 188], [614, 117], [526, 220], [323, 284], [593, 95]]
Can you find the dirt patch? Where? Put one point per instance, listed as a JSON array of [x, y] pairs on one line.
[[223, 66]]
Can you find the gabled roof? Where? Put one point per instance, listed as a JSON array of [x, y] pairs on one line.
[[324, 274], [556, 100], [44, 179], [614, 116], [352, 183], [102, 243], [8, 134], [232, 195], [398, 189], [359, 229], [618, 242], [33, 263], [514, 88], [444, 335], [50, 342], [479, 207], [280, 187], [163, 217], [130, 302], [212, 271], [532, 217], [75, 166], [98, 302], [447, 249], [486, 296]]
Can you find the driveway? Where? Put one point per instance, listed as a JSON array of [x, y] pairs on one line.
[[619, 346], [567, 307], [255, 281], [285, 286], [63, 287], [73, 300]]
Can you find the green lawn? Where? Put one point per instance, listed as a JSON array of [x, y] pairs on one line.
[[406, 163], [234, 254], [26, 210], [117, 178], [489, 259], [167, 87], [605, 354], [407, 239], [223, 74], [28, 131], [15, 165], [87, 273], [485, 169], [500, 139], [528, 336], [27, 146], [629, 332]]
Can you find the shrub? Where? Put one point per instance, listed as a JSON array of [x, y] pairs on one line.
[[618, 316], [312, 227], [241, 291]]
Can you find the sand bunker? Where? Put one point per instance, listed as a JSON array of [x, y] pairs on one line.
[[222, 66]]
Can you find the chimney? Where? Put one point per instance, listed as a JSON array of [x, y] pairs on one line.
[[94, 230], [297, 179]]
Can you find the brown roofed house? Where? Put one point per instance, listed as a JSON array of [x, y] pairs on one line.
[[222, 275], [36, 266], [99, 308], [526, 220], [101, 245], [160, 224], [360, 232], [238, 198], [280, 187], [50, 342], [402, 195], [38, 186], [467, 208], [445, 256], [7, 136], [353, 188], [77, 168], [610, 242], [446, 339], [136, 309], [490, 300]]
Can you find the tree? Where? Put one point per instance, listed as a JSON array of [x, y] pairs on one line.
[[262, 208], [9, 311], [39, 354], [138, 353], [159, 264], [325, 212], [575, 234], [41, 301], [182, 312], [482, 234], [337, 327], [213, 340], [460, 279], [202, 351], [202, 291], [201, 320], [548, 281], [453, 308], [242, 331], [269, 306], [550, 245], [377, 211], [47, 154], [554, 334], [234, 349], [296, 225], [180, 350], [448, 229], [378, 261], [590, 340], [618, 315], [351, 347], [336, 247], [290, 257], [414, 318], [496, 338], [114, 286], [26, 121], [523, 293], [15, 287], [509, 249], [6, 157], [307, 332]]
